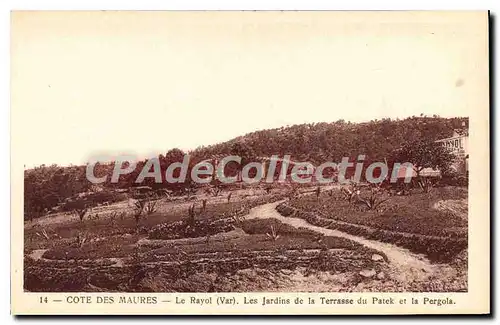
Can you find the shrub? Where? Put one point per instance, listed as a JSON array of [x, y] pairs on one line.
[[150, 207], [455, 180], [80, 212], [375, 198], [182, 229]]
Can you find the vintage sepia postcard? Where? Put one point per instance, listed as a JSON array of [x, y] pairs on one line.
[[250, 163]]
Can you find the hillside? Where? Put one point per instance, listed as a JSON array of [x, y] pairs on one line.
[[320, 141], [49, 186]]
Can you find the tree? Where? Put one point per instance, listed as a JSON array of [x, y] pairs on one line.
[[425, 153], [172, 156], [47, 186], [245, 152]]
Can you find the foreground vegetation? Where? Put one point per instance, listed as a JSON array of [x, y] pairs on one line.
[[217, 251], [419, 222]]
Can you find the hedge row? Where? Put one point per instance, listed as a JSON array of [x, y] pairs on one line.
[[185, 229]]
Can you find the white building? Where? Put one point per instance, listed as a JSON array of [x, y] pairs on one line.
[[458, 143], [459, 146]]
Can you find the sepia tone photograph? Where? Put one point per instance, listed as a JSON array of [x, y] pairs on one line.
[[248, 152]]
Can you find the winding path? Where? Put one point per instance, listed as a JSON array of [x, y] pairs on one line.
[[405, 267]]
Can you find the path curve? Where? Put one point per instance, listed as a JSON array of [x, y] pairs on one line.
[[405, 267]]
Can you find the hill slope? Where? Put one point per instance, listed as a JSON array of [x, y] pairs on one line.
[[319, 141], [49, 186]]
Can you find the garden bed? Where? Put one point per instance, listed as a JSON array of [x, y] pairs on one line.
[[438, 249]]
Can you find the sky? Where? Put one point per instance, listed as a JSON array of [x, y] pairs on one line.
[[145, 82]]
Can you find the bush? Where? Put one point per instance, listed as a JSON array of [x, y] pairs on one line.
[[90, 200], [185, 229], [455, 180]]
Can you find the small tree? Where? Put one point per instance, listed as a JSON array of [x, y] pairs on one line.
[[139, 207], [191, 215], [245, 152], [425, 153]]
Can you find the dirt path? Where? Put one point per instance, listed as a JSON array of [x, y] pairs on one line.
[[405, 267]]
